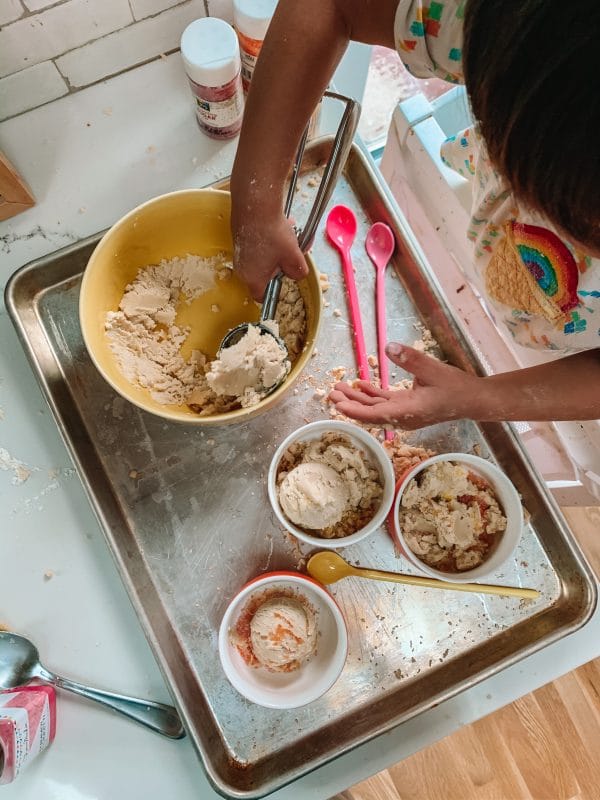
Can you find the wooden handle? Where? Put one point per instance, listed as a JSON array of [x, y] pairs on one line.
[[433, 583], [15, 195]]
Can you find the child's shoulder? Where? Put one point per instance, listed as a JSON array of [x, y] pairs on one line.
[[429, 38]]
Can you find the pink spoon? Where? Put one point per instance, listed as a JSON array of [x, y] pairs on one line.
[[380, 245], [341, 230]]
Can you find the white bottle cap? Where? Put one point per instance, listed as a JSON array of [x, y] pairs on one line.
[[252, 17], [210, 51]]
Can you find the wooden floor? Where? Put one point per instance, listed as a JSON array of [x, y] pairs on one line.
[[545, 746]]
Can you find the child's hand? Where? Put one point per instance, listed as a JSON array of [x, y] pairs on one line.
[[264, 246], [439, 393]]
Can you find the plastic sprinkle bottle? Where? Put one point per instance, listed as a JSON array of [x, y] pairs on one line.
[[211, 55], [251, 19]]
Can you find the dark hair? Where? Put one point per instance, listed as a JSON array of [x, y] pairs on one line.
[[532, 74]]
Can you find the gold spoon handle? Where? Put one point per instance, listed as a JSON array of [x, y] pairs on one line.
[[433, 583]]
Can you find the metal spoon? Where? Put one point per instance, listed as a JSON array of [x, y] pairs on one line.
[[20, 664], [327, 567], [340, 149]]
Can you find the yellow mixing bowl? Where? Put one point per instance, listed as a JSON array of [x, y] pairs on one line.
[[192, 221]]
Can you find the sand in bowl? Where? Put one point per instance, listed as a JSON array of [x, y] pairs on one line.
[[170, 323]]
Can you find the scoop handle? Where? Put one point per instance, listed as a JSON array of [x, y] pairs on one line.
[[273, 288], [339, 152], [156, 716], [433, 583], [271, 298]]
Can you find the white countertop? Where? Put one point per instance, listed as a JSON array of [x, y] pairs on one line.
[[89, 158]]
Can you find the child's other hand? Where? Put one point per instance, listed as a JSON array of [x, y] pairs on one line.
[[440, 393], [263, 247]]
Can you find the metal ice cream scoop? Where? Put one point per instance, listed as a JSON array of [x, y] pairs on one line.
[[339, 152], [20, 664]]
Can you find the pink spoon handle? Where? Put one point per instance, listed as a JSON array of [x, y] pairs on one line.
[[359, 336], [384, 373]]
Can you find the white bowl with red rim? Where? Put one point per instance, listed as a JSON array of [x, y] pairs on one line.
[[312, 679], [509, 502], [361, 439]]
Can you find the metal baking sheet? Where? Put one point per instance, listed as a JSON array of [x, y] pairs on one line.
[[186, 516]]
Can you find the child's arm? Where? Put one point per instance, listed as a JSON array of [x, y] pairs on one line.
[[303, 46], [567, 389]]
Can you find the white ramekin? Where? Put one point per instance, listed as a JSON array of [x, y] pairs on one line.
[[509, 502], [358, 437], [311, 680]]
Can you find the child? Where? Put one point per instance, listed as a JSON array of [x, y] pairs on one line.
[[533, 158]]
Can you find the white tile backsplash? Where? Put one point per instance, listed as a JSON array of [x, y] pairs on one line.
[[222, 9], [10, 10], [30, 88], [37, 5], [146, 8], [42, 36], [48, 47], [132, 45]]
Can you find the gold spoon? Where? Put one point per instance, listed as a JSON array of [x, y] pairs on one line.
[[327, 567]]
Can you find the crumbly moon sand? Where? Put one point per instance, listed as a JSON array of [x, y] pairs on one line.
[[250, 368], [329, 486], [283, 634], [146, 340], [450, 517]]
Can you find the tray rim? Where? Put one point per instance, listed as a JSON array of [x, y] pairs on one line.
[[18, 283]]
